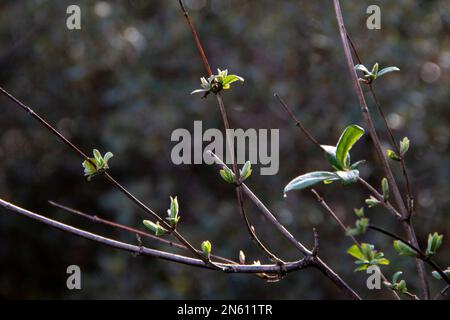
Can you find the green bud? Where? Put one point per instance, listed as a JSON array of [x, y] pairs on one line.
[[227, 175], [404, 146], [206, 248], [392, 155], [246, 171], [372, 202], [434, 242], [385, 188], [154, 227]]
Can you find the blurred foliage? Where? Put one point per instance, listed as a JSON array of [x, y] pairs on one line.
[[122, 84]]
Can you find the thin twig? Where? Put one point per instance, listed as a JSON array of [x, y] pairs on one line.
[[108, 177], [395, 145], [226, 124], [96, 218], [141, 250], [377, 145], [327, 271]]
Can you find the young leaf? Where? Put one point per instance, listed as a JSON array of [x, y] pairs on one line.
[[434, 243], [387, 70], [403, 249], [206, 248], [348, 138], [404, 146], [392, 155], [246, 171], [154, 227], [309, 179], [385, 188], [227, 175]]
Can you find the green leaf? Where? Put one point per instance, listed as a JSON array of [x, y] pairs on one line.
[[246, 171], [330, 155], [227, 175], [403, 249], [396, 276], [387, 70], [375, 70], [392, 155], [231, 78], [154, 227], [355, 252], [438, 276], [372, 202], [309, 179], [359, 212], [404, 146], [360, 67], [348, 138], [385, 188], [348, 177], [206, 248], [434, 243]]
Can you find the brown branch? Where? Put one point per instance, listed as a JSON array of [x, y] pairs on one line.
[[97, 219], [141, 250], [377, 145]]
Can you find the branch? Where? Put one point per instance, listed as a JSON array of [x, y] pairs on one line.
[[377, 145], [95, 218], [141, 250], [139, 203], [319, 264]]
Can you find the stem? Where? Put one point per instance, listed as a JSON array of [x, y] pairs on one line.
[[95, 218], [141, 250], [377, 145], [394, 144]]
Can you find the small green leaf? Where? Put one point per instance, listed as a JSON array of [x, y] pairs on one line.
[[372, 202], [355, 252], [348, 177], [359, 212], [227, 175], [396, 276], [404, 146], [246, 171], [392, 155], [206, 248], [375, 70], [387, 70], [403, 249], [434, 243], [154, 227], [385, 188], [348, 138], [309, 179], [438, 276]]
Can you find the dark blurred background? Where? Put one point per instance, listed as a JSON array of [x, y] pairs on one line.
[[122, 84]]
